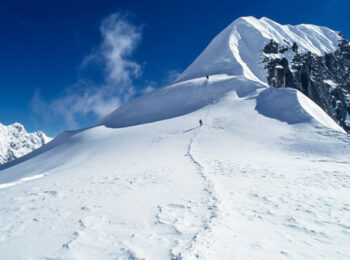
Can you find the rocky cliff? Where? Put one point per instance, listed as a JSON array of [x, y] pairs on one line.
[[324, 78]]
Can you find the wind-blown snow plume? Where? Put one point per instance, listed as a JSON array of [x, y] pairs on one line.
[[119, 39]]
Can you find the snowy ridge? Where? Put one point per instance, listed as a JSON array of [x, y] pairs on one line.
[[15, 141], [177, 100], [237, 50]]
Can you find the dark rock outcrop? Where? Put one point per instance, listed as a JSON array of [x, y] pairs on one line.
[[325, 79]]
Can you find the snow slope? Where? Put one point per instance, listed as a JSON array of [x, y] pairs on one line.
[[15, 141], [265, 177], [242, 186]]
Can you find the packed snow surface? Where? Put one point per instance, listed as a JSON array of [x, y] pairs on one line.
[[267, 176]]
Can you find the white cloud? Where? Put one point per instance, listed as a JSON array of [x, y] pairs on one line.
[[119, 39]]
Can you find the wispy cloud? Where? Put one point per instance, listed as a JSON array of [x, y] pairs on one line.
[[119, 39]]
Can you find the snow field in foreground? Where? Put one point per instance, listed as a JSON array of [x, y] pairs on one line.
[[242, 186]]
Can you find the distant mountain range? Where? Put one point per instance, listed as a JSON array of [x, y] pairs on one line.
[[15, 141]]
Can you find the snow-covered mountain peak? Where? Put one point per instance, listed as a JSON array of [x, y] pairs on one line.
[[260, 52], [238, 49], [308, 37], [15, 141]]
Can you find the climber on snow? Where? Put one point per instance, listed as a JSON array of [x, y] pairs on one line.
[[207, 76], [200, 122]]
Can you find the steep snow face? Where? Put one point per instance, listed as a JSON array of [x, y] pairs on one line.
[[238, 50], [15, 141]]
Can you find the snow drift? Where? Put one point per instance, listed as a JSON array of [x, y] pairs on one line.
[[293, 107]]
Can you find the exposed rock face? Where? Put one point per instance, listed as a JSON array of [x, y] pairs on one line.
[[325, 79], [15, 141]]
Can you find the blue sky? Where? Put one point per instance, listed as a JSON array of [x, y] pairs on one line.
[[63, 64]]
